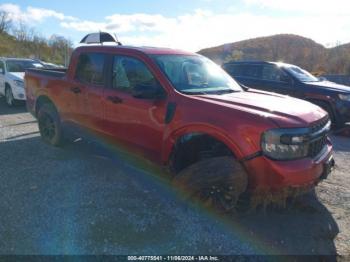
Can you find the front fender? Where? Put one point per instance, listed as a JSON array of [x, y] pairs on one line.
[[215, 132]]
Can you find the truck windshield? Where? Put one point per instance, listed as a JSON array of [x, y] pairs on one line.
[[19, 66], [193, 74], [301, 74]]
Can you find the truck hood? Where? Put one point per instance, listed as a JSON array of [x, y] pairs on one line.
[[330, 86], [284, 111], [16, 76]]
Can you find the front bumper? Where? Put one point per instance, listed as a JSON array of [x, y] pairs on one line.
[[270, 175], [19, 93]]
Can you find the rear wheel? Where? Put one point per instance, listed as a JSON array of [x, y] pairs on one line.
[[10, 101], [50, 125], [217, 183]]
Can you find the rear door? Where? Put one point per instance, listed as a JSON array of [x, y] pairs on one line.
[[88, 84], [246, 74], [136, 122]]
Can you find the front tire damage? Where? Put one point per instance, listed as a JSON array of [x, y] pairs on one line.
[[217, 183]]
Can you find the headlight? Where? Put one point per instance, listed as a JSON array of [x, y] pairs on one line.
[[285, 144], [344, 97], [19, 83]]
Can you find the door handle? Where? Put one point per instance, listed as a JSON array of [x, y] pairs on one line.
[[75, 90], [115, 99]]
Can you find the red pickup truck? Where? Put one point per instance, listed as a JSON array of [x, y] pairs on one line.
[[220, 140]]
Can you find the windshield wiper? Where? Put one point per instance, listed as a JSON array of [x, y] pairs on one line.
[[228, 91], [195, 92], [211, 92]]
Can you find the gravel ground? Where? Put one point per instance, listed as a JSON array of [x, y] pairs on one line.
[[84, 200]]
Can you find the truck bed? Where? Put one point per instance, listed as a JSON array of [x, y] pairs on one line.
[[38, 82], [57, 73]]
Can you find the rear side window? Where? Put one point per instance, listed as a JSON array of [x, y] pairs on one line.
[[234, 70], [252, 71], [244, 70], [2, 66], [90, 69]]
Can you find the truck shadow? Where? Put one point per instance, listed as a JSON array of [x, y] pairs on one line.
[[85, 199]]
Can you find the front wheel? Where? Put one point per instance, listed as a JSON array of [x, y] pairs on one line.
[[10, 100], [326, 107], [50, 125], [217, 183]]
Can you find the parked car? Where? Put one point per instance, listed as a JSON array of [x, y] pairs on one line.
[[182, 111], [293, 81], [51, 65], [12, 78]]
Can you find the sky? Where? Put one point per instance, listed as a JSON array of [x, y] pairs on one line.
[[189, 25]]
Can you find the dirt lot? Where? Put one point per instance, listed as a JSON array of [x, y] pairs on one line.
[[83, 199]]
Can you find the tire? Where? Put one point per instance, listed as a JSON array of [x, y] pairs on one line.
[[217, 183], [10, 100], [50, 125]]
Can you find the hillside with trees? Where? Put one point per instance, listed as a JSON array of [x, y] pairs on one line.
[[19, 40], [287, 48]]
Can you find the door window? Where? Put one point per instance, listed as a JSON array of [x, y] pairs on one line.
[[90, 69], [129, 72], [252, 71], [235, 70], [272, 73]]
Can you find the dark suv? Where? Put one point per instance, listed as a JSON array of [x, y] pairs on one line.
[[293, 81]]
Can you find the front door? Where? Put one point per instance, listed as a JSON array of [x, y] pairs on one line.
[[137, 122], [273, 79]]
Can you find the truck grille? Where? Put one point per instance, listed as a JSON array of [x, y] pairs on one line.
[[316, 146]]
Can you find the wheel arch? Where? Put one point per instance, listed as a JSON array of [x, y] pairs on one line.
[[40, 101], [208, 136], [319, 101]]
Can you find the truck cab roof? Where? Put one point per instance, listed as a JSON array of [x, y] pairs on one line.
[[143, 49]]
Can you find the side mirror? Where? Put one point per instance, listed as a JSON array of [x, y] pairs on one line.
[[143, 91], [2, 71]]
